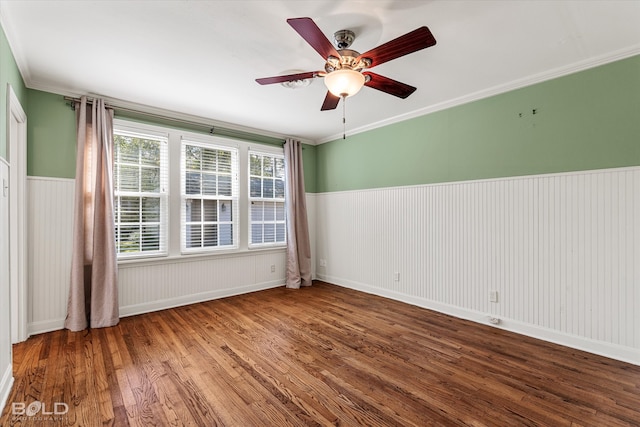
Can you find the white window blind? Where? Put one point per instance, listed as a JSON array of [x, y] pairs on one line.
[[140, 193], [266, 200], [209, 183]]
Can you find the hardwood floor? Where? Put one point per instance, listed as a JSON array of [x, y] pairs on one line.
[[319, 356]]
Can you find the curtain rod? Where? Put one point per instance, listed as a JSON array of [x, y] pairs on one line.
[[212, 129]]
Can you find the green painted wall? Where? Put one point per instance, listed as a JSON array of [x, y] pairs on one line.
[[9, 73], [51, 138], [587, 120]]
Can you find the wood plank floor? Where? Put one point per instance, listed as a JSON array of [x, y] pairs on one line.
[[317, 356]]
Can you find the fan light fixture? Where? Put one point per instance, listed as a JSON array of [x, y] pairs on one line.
[[344, 83]]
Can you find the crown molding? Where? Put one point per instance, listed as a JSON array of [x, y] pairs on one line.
[[167, 114], [497, 90], [16, 51]]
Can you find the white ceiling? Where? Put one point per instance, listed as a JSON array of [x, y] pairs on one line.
[[201, 58]]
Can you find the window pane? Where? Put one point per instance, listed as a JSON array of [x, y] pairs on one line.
[[256, 211], [192, 184], [279, 191], [279, 168], [255, 187], [255, 165], [192, 157], [209, 184], [226, 210], [151, 238], [193, 236], [224, 185], [129, 209], [224, 161], [210, 235], [129, 178], [210, 210], [127, 148], [226, 234], [149, 152], [280, 233], [267, 163], [129, 238], [256, 233], [269, 211], [267, 188], [280, 211], [150, 209], [150, 180], [193, 210], [269, 233], [209, 160]]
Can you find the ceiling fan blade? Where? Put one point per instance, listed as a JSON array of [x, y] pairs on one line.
[[314, 36], [330, 102], [387, 85], [287, 78], [411, 42]]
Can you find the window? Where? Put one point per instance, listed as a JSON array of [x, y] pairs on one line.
[[180, 193], [140, 170], [266, 200], [209, 185]]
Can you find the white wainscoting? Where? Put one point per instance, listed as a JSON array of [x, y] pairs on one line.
[[144, 286], [49, 230], [561, 250]]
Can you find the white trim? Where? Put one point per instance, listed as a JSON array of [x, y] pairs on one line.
[[49, 178], [17, 156], [485, 180], [496, 90], [14, 46], [148, 307], [164, 304], [613, 351], [6, 383]]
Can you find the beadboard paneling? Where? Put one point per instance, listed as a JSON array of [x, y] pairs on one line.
[[561, 250], [144, 286], [49, 230]]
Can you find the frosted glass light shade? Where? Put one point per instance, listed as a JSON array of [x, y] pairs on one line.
[[344, 82]]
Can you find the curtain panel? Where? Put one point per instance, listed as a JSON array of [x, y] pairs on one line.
[[298, 245], [93, 292]]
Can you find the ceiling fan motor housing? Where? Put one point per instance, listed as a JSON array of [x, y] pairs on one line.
[[343, 38], [348, 60]]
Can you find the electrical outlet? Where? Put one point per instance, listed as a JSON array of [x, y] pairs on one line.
[[323, 262], [273, 268], [493, 296], [396, 276]]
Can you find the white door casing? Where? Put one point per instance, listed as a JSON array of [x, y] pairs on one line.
[[17, 157]]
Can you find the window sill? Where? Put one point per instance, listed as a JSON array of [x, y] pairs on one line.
[[173, 259]]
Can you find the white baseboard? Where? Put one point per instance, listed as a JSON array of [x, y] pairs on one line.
[[148, 307], [158, 305], [613, 351], [5, 386]]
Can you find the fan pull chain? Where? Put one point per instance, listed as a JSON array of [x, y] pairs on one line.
[[344, 120]]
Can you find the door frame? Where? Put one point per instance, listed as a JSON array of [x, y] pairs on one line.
[[17, 157]]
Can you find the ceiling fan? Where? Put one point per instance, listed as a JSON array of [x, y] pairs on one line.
[[344, 73]]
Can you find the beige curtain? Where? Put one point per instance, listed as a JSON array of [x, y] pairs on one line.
[[93, 292], [298, 245]]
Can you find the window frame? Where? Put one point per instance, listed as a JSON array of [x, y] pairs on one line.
[[124, 128], [173, 249], [273, 154], [219, 145]]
